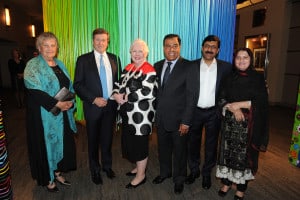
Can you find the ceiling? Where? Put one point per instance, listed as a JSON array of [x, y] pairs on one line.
[[34, 7], [246, 3]]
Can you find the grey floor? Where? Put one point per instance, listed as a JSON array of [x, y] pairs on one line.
[[276, 179]]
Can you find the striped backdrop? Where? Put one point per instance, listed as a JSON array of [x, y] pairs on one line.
[[73, 21]]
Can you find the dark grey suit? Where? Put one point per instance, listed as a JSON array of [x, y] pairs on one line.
[[175, 106], [208, 118], [99, 121]]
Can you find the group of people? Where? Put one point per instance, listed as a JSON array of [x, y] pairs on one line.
[[181, 97]]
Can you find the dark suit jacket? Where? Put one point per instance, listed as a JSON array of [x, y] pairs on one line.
[[87, 82], [223, 69], [177, 100]]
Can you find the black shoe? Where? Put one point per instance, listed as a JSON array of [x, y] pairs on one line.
[[236, 197], [110, 173], [96, 178], [159, 179], [59, 178], [130, 174], [191, 178], [206, 182], [222, 193], [130, 186], [178, 188]]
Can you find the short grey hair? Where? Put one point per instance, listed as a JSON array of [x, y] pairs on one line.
[[44, 36]]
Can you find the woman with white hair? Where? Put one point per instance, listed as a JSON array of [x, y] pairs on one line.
[[135, 93]]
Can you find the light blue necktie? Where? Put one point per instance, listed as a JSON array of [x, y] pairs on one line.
[[103, 78]]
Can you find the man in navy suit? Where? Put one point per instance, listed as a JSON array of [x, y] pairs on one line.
[[176, 100], [95, 74], [209, 71]]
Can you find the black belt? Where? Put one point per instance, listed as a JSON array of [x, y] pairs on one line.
[[206, 109]]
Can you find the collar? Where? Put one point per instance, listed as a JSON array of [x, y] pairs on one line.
[[172, 62], [213, 62], [97, 54]]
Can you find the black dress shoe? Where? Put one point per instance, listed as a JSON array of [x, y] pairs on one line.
[[110, 173], [130, 174], [206, 182], [191, 178], [178, 188], [130, 186], [236, 197], [96, 178], [159, 179], [221, 193]]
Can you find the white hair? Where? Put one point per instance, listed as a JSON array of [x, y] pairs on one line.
[[142, 43]]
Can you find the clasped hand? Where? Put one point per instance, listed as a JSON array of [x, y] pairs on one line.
[[64, 105], [236, 110], [100, 102], [183, 129], [120, 98]]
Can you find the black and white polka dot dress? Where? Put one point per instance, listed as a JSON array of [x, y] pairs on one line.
[[138, 113]]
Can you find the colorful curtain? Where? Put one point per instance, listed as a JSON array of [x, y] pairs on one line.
[[294, 154], [193, 20], [73, 22]]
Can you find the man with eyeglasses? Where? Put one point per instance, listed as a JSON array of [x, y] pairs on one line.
[[209, 71], [176, 100]]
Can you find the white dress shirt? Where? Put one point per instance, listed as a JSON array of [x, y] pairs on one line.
[[208, 80]]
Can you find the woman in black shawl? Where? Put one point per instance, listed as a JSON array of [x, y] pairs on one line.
[[244, 102]]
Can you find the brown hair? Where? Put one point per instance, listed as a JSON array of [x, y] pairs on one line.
[[100, 31]]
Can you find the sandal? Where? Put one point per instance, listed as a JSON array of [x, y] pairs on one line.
[[51, 187], [59, 178]]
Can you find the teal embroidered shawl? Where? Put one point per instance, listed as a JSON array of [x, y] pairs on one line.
[[39, 75]]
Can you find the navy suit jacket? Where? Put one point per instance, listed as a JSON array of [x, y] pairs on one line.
[[87, 82], [176, 101]]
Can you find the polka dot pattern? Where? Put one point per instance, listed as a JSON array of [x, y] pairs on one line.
[[141, 87]]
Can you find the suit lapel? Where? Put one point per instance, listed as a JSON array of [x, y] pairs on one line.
[[177, 69], [94, 73], [93, 64], [159, 71], [219, 75], [198, 73], [113, 64]]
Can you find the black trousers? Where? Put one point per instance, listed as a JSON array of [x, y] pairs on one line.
[[100, 134], [172, 154], [208, 119]]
